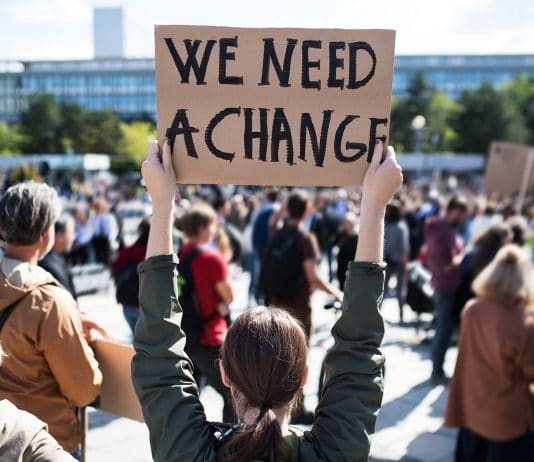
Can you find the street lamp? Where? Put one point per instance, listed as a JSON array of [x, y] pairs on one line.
[[418, 124]]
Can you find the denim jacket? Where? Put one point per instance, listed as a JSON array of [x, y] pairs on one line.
[[163, 379]]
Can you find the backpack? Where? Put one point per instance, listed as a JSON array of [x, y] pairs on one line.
[[192, 323], [127, 283], [281, 273]]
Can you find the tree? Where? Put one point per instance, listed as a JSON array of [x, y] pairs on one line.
[[41, 125], [74, 127], [135, 138], [403, 111], [485, 116], [439, 135], [104, 134], [11, 139], [520, 93]]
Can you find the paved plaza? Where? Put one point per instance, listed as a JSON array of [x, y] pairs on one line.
[[409, 426]]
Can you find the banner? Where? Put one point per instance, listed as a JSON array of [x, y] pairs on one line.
[[273, 106]]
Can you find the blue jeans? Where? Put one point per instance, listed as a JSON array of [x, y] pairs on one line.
[[444, 302], [131, 314]]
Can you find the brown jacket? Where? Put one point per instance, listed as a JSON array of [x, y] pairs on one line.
[[489, 392], [49, 369]]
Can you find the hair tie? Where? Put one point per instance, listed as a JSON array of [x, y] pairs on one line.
[[264, 405]]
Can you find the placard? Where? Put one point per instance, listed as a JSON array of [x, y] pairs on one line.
[[117, 395], [510, 169], [273, 106]]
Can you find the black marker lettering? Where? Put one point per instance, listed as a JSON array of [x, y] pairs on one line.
[[191, 62], [353, 51], [281, 131], [180, 126], [360, 147], [269, 55], [372, 136], [250, 135], [224, 56], [229, 156], [335, 64], [319, 149], [307, 64]]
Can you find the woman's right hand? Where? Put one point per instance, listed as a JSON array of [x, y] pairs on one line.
[[158, 173]]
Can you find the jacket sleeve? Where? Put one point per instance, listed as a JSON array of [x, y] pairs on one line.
[[352, 395], [67, 353], [44, 448], [162, 372]]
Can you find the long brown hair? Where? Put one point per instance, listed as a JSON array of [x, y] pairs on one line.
[[264, 357]]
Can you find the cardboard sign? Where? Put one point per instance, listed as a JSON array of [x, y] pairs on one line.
[[510, 169], [117, 395], [273, 106]]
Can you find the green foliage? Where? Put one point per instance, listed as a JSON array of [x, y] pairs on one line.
[[403, 111], [485, 115], [135, 139], [439, 135], [104, 134], [520, 93], [11, 139], [41, 125], [25, 172]]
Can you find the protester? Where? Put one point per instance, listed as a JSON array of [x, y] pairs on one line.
[[105, 230], [207, 271], [444, 248], [24, 438], [263, 360], [54, 261], [82, 251], [289, 267], [50, 370], [396, 251], [126, 277], [489, 398]]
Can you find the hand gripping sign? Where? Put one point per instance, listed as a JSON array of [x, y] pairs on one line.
[[273, 106]]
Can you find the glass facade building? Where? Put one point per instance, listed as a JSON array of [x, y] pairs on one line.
[[128, 86]]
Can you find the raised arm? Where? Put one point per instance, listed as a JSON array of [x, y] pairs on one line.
[[352, 395], [162, 372]]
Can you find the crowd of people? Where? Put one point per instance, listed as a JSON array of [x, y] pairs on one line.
[[478, 251]]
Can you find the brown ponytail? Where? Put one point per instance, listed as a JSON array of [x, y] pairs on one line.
[[264, 356]]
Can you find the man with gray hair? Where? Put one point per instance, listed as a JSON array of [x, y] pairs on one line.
[[50, 369], [23, 437]]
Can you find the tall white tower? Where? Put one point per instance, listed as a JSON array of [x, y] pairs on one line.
[[108, 32]]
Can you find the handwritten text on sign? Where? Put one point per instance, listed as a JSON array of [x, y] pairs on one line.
[[273, 106]]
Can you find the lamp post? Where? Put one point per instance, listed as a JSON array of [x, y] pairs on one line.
[[418, 124]]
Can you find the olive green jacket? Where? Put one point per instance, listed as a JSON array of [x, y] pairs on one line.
[[163, 379]]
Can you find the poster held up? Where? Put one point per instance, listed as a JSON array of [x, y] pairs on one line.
[[273, 106]]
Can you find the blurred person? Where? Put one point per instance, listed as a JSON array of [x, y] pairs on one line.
[[105, 230], [54, 261], [82, 251], [488, 397], [444, 247], [480, 255], [213, 294], [347, 243], [396, 251], [25, 438], [234, 235], [484, 220], [50, 370], [289, 273], [221, 243], [126, 277], [263, 360]]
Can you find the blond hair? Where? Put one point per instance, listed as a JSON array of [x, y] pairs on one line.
[[510, 274], [1, 354]]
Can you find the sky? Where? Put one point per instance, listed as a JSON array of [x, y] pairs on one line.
[[62, 29]]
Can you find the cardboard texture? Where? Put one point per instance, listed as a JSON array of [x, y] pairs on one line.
[[273, 106], [117, 395], [509, 168]]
